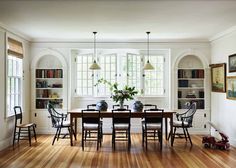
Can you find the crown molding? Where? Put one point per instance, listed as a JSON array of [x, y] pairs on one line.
[[120, 41], [15, 32], [222, 34]]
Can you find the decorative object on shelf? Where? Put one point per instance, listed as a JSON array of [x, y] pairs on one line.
[[49, 87], [218, 77], [231, 87], [119, 95], [232, 63], [183, 83], [191, 87], [138, 106], [94, 66], [102, 105], [191, 95], [148, 65], [201, 94]]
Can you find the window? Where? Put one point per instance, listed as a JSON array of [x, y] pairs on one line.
[[108, 72], [14, 75], [85, 80], [124, 68], [153, 81], [133, 70]]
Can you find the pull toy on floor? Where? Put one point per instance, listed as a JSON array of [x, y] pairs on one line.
[[210, 141]]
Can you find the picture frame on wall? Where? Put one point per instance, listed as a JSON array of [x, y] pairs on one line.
[[232, 63], [231, 87], [218, 77]]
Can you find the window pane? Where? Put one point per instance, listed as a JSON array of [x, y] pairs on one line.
[[133, 69], [84, 75], [108, 70], [154, 79]]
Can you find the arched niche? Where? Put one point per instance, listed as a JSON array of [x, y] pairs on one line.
[[49, 58], [190, 61]]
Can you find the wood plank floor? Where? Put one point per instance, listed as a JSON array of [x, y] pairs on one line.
[[43, 155]]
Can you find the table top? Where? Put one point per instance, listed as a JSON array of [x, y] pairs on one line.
[[108, 113]]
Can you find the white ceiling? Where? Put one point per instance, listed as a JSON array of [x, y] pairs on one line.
[[124, 20]]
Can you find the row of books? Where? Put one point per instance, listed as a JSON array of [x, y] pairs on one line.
[[195, 73], [49, 73]]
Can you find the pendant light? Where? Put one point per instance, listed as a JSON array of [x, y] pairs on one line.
[[148, 65], [94, 66]]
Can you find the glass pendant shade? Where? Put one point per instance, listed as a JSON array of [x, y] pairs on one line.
[[94, 65], [148, 65]]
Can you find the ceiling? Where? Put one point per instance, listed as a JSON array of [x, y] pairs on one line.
[[123, 20]]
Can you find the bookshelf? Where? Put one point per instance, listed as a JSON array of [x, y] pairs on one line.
[[49, 88], [49, 83], [191, 87]]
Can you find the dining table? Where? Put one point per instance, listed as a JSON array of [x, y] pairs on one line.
[[77, 113]]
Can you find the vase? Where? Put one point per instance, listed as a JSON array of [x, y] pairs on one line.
[[102, 105], [138, 106], [121, 103]]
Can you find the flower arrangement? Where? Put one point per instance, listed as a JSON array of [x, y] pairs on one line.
[[119, 95]]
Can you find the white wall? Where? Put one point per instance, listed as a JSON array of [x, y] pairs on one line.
[[7, 124], [177, 50], [223, 111]]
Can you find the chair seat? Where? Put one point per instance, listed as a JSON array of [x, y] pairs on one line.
[[179, 123], [90, 126], [121, 126], [152, 126], [65, 124], [25, 125]]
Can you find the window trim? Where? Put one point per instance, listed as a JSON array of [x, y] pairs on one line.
[[8, 53], [161, 52]]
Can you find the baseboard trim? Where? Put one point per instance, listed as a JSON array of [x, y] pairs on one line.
[[5, 143]]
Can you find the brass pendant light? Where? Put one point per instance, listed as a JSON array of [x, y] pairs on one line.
[[95, 65], [148, 65]]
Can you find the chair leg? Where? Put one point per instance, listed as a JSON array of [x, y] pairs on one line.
[[85, 135], [19, 131], [113, 139], [82, 138], [98, 138], [74, 134], [160, 139], [69, 130], [129, 140], [59, 133], [185, 134], [55, 136], [189, 136], [14, 137], [34, 134], [29, 135], [143, 137], [146, 138], [173, 136]]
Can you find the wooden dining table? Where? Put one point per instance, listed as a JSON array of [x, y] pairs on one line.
[[76, 113]]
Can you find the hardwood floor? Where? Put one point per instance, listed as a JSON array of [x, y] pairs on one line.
[[62, 155]]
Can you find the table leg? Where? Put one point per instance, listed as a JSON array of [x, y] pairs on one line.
[[166, 128], [171, 130], [71, 132], [75, 128]]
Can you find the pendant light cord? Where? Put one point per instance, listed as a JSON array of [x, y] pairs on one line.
[[95, 55], [148, 44]]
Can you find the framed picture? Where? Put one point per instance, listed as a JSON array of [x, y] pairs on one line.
[[232, 63], [218, 74], [231, 87]]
